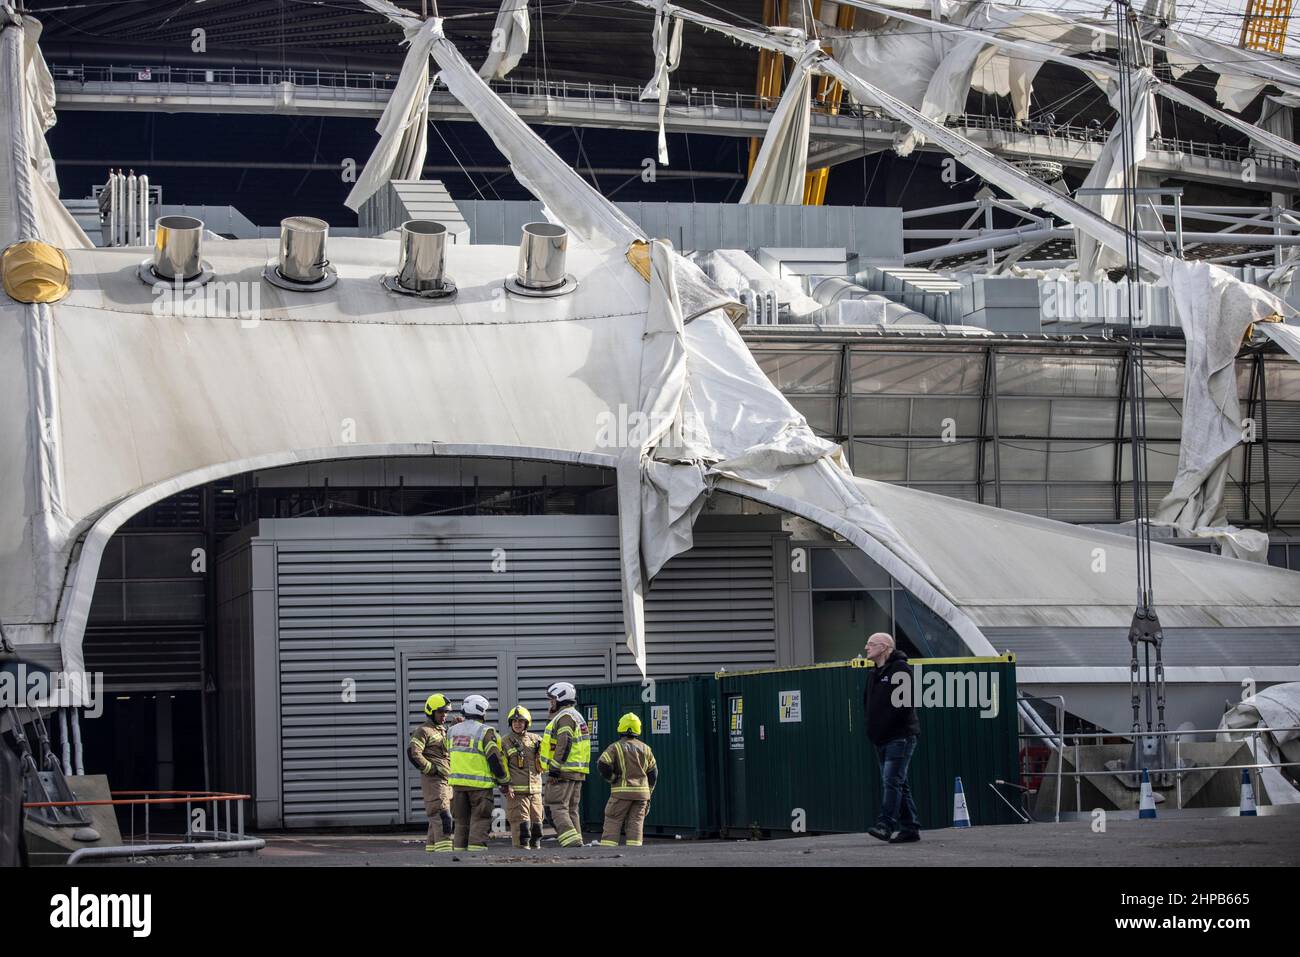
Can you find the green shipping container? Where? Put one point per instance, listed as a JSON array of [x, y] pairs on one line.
[[794, 756], [680, 725]]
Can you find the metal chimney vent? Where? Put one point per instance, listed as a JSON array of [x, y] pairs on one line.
[[177, 253], [302, 265], [542, 252], [421, 270]]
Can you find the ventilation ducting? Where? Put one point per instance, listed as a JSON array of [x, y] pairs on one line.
[[542, 258], [421, 268], [302, 266], [177, 253]]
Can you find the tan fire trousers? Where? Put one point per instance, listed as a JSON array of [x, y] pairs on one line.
[[624, 814], [564, 799], [437, 807], [520, 808], [472, 809]]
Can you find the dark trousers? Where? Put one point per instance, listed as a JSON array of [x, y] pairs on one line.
[[897, 809]]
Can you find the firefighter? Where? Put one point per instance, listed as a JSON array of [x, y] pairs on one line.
[[523, 749], [566, 758], [629, 766], [430, 755], [476, 765]]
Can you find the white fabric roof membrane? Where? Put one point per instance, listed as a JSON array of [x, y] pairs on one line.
[[404, 125], [1110, 170], [151, 402], [1276, 707], [666, 39], [509, 40], [782, 163]]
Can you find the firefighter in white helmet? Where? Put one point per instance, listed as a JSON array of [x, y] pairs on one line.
[[476, 765], [566, 758]]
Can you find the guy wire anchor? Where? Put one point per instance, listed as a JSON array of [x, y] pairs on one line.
[[1149, 750]]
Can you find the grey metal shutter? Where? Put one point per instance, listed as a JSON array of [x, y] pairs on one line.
[[710, 608], [145, 657], [455, 676]]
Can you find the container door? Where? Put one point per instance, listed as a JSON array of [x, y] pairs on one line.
[[454, 676], [737, 812]]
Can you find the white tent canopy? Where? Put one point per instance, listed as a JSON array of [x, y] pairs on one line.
[[115, 405]]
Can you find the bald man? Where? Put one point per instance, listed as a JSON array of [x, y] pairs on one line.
[[893, 729]]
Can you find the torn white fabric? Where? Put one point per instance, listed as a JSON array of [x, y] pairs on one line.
[[1000, 173], [667, 42], [1050, 53], [38, 102], [1278, 708], [1243, 74], [777, 39], [779, 171], [404, 126], [1110, 171], [1246, 544], [588, 216], [1286, 336], [1215, 309], [644, 498], [509, 40]]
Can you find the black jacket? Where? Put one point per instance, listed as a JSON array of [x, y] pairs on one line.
[[885, 721]]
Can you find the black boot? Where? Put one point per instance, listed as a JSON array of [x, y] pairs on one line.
[[523, 834], [536, 843]]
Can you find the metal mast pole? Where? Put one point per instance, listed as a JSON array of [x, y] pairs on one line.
[[1148, 749]]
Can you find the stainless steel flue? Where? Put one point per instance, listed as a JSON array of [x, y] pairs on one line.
[[302, 249], [424, 255], [178, 245], [541, 256]]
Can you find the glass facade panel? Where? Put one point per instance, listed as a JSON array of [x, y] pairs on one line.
[[1019, 461], [881, 415], [1028, 417], [842, 620], [1056, 374], [1083, 418], [1081, 462], [918, 374], [803, 371], [818, 410], [941, 461], [931, 417], [846, 568], [882, 461]]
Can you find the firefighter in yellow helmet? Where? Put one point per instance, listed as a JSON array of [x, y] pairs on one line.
[[629, 766], [430, 754], [476, 765], [566, 759], [522, 749]]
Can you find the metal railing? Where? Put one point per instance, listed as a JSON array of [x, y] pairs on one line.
[[213, 840], [375, 86], [1177, 772]]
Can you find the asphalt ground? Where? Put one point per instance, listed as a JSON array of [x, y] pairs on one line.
[[1272, 841]]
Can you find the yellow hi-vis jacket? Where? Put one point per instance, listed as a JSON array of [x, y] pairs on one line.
[[474, 745], [566, 744]]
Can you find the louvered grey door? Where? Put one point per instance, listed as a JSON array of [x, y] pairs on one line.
[[534, 672], [710, 608], [506, 605], [456, 676]]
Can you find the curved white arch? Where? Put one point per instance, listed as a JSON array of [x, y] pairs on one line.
[[74, 610]]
